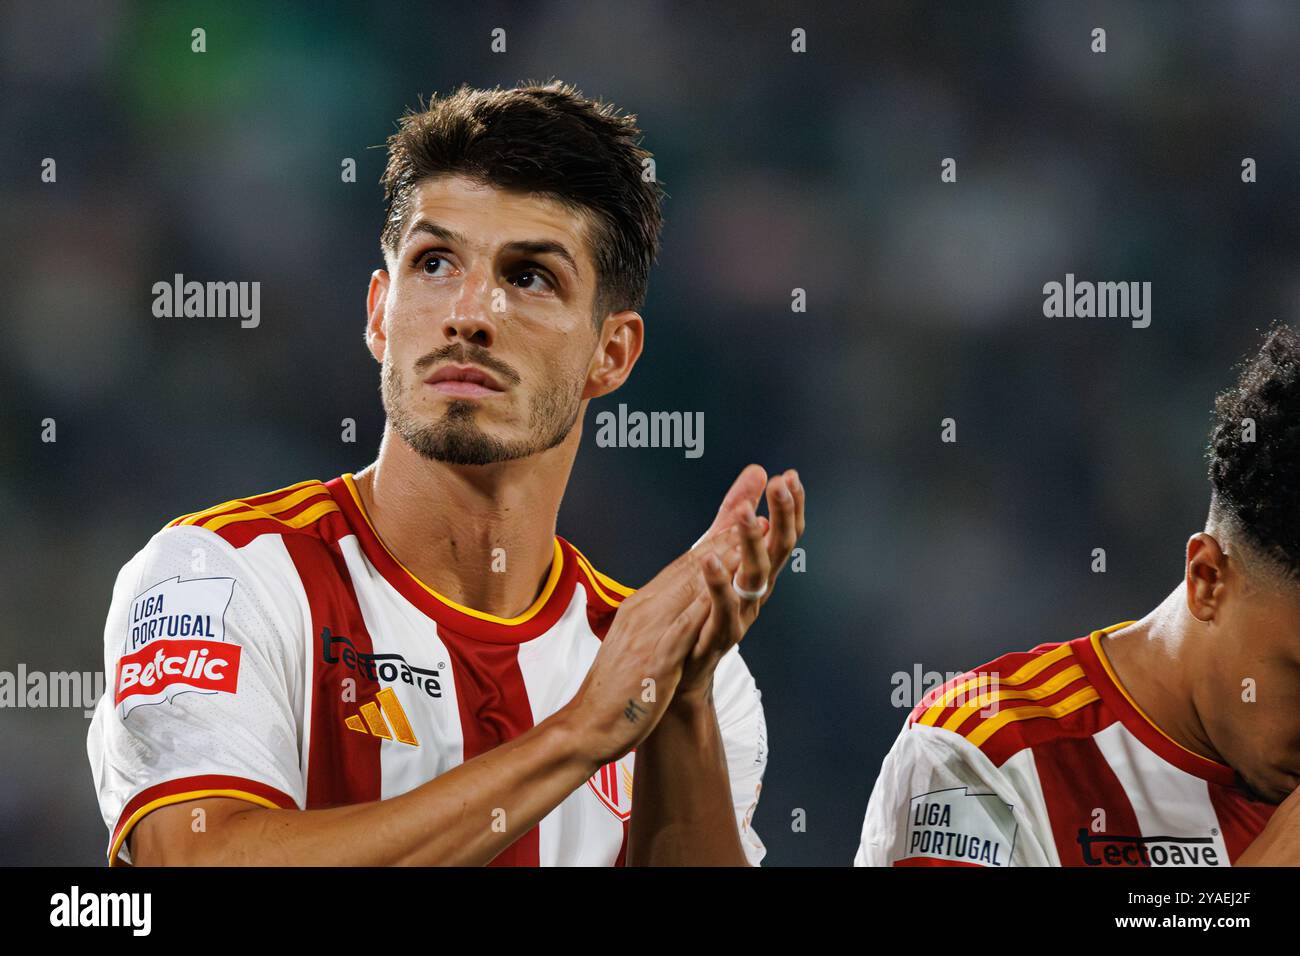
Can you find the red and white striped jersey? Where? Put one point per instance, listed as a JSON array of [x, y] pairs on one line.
[[1041, 758], [271, 649]]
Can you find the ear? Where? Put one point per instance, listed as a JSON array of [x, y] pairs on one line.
[[621, 338], [1206, 576], [376, 299]]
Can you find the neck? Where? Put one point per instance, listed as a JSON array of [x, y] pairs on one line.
[[480, 535], [1156, 661]]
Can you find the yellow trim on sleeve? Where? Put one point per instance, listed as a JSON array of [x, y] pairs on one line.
[[610, 583], [1047, 688], [301, 520], [239, 502], [596, 579], [1072, 703], [153, 805], [1026, 673]]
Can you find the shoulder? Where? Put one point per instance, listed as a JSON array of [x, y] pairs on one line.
[[604, 594], [305, 508], [1019, 700], [226, 562]]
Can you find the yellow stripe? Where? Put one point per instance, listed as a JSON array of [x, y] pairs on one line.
[[1026, 673], [611, 583], [557, 565], [620, 589], [306, 517], [591, 573], [273, 507], [1072, 703], [181, 798], [370, 711], [1049, 687], [392, 708], [1114, 679], [235, 503]]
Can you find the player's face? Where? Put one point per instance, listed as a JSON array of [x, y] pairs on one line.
[[1253, 709], [486, 327]]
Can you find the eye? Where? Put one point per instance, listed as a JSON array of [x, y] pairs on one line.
[[431, 264], [531, 279]]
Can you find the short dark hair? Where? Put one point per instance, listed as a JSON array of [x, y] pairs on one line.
[[1256, 484], [539, 138]]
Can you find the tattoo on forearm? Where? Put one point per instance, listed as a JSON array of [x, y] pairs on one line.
[[633, 711]]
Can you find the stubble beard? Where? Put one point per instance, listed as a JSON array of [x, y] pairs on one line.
[[457, 439]]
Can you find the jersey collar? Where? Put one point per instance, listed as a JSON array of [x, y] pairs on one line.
[[1096, 666], [535, 621]]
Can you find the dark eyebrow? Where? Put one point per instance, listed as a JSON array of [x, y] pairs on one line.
[[532, 247], [437, 231], [539, 247]]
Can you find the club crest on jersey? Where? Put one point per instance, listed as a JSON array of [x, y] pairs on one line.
[[612, 784], [175, 642]]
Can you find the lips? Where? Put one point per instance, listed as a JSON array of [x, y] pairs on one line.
[[463, 381]]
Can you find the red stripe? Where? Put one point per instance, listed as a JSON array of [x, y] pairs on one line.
[[1241, 818], [342, 765], [600, 616], [209, 781], [241, 505], [1077, 782], [247, 509], [992, 674], [239, 533], [494, 708], [621, 859]]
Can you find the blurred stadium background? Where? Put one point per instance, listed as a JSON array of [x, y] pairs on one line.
[[818, 171]]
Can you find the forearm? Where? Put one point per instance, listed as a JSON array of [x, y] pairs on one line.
[[464, 817], [682, 813]]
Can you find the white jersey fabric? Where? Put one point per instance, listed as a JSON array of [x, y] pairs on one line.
[[1042, 758], [272, 650]]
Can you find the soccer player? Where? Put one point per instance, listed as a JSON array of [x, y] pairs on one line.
[[1166, 741], [408, 665]]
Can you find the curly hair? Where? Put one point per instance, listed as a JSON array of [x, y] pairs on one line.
[[1254, 450], [546, 139]]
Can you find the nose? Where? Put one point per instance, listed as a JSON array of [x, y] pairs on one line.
[[470, 316]]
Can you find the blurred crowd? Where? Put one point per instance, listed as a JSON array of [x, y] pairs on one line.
[[817, 171]]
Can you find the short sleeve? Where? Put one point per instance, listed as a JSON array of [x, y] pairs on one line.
[[739, 707], [939, 801], [203, 686]]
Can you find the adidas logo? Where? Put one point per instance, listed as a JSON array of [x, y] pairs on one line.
[[382, 713]]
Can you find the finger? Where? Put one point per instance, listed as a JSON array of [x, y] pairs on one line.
[[784, 531], [682, 634], [723, 627], [755, 566], [798, 503], [686, 567], [747, 489]]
